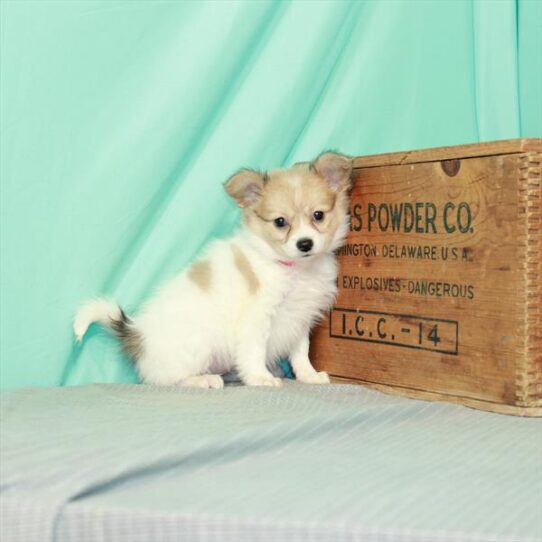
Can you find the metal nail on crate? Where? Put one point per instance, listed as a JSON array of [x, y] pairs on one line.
[[440, 293]]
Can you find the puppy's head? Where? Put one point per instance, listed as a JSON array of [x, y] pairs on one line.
[[301, 211]]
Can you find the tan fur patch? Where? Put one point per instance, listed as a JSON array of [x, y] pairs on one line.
[[244, 267], [295, 194], [200, 274]]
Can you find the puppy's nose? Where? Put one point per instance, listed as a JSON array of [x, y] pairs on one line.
[[305, 244]]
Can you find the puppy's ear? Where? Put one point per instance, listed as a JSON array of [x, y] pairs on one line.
[[336, 169], [246, 187]]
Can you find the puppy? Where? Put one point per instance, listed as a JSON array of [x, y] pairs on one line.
[[250, 299]]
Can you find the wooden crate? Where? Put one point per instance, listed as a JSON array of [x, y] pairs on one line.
[[440, 291]]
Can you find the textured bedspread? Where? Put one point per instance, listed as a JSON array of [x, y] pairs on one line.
[[333, 463]]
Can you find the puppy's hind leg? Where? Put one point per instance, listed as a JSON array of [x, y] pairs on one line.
[[215, 382], [172, 368]]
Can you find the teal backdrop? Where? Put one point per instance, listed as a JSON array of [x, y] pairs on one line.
[[121, 119]]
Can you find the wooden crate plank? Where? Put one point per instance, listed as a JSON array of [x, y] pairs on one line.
[[439, 282]]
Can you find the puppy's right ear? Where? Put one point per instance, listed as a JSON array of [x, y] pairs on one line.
[[336, 169], [246, 187]]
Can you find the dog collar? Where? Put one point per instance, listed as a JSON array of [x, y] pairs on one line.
[[287, 263]]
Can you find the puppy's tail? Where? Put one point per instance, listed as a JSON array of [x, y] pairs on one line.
[[111, 316]]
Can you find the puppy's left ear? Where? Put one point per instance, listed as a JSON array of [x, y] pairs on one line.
[[246, 187], [336, 169]]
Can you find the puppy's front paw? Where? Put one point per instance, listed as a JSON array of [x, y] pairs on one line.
[[262, 380], [313, 377]]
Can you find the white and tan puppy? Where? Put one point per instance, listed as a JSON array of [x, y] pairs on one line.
[[251, 299]]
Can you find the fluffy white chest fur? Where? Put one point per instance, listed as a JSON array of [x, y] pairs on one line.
[[232, 306], [248, 300]]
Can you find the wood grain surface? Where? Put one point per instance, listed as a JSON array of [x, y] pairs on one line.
[[440, 278]]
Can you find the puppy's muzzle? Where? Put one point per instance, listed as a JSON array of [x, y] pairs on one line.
[[305, 244]]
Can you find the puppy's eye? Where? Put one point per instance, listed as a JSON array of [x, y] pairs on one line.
[[280, 222], [318, 216]]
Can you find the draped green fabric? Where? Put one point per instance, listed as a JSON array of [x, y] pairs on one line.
[[121, 119]]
